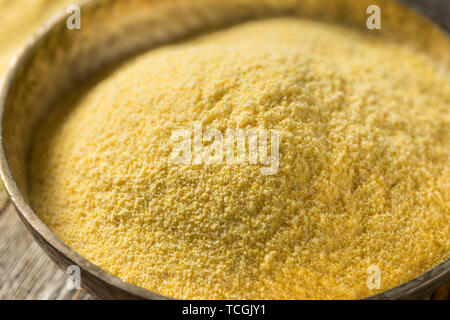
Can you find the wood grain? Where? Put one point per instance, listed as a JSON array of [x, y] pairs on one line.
[[25, 270]]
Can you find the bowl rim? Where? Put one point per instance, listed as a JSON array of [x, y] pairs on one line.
[[440, 272]]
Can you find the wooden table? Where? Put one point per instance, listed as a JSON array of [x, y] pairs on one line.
[[25, 270]]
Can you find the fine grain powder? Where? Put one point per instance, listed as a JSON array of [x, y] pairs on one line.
[[363, 176]]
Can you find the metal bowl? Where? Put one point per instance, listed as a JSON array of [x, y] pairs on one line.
[[55, 60]]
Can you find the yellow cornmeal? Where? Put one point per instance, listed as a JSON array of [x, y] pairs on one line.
[[363, 178], [18, 20]]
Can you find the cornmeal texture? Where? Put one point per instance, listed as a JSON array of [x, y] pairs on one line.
[[363, 178]]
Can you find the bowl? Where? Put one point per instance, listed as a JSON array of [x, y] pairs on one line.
[[57, 59]]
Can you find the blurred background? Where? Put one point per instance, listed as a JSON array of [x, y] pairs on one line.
[[438, 10]]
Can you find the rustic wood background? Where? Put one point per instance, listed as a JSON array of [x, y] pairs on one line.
[[25, 270]]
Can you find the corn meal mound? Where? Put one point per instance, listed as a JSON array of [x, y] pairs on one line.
[[363, 177]]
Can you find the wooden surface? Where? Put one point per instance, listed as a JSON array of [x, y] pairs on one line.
[[25, 270]]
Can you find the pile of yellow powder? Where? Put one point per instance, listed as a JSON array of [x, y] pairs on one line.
[[363, 179]]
